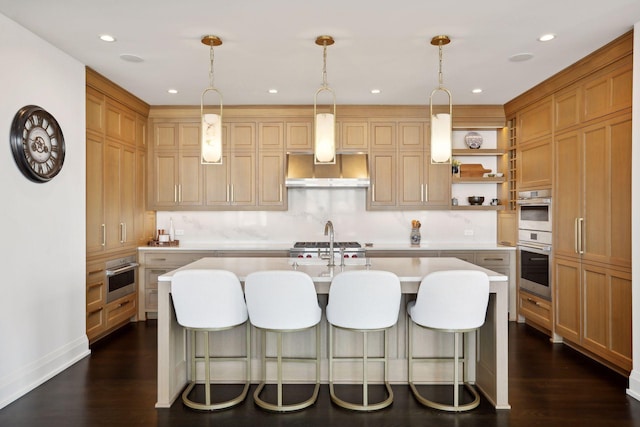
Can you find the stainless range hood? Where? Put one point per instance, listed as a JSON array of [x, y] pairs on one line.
[[350, 170]]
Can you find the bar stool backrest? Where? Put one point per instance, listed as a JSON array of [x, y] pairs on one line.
[[364, 299], [208, 299], [282, 300], [452, 300]]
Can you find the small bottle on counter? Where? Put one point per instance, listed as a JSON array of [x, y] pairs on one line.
[[172, 232], [415, 236]]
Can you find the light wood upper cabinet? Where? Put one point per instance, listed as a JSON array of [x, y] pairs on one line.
[[299, 135], [271, 136], [120, 123], [95, 108], [382, 192], [535, 164], [567, 108], [383, 135], [271, 191], [353, 136], [411, 136], [119, 196], [608, 93], [95, 237], [535, 121]]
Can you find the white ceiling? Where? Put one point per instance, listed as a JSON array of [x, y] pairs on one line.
[[379, 44]]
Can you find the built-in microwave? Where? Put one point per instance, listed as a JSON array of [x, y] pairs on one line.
[[534, 210]]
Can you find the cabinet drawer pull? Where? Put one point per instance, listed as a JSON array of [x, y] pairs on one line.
[[122, 304], [158, 259], [534, 302], [494, 259], [94, 285], [158, 271], [95, 311], [96, 271]]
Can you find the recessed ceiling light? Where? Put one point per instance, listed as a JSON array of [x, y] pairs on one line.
[[273, 90], [107, 38], [172, 91], [520, 57], [546, 37], [375, 91], [131, 58], [476, 90]]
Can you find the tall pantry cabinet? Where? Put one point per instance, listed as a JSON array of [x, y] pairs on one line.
[[592, 211], [116, 218]]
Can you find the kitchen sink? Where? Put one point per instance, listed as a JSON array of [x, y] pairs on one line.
[[320, 261]]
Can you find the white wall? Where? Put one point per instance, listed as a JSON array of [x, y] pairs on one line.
[[634, 378], [42, 291]]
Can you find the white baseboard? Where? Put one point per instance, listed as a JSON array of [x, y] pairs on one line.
[[26, 378]]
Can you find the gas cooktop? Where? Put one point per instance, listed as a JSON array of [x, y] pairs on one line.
[[321, 245]]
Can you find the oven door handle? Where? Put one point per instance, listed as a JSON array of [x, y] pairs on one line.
[[128, 267]]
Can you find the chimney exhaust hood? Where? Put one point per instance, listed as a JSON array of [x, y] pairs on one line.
[[349, 171]]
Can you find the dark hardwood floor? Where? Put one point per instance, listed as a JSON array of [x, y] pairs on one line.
[[550, 385]]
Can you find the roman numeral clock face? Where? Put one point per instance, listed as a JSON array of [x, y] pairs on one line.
[[37, 143]]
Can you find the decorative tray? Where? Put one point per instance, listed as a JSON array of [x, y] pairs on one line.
[[159, 243]]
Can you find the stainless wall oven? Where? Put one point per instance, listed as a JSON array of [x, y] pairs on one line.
[[535, 242], [121, 277]]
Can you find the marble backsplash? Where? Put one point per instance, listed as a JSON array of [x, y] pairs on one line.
[[308, 211]]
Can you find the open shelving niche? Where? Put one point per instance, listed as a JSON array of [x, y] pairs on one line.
[[487, 155]]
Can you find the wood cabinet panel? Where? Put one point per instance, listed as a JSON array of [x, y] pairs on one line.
[[383, 177], [411, 173], [242, 136], [141, 132], [535, 309], [120, 123], [298, 136], [411, 136], [189, 136], [165, 180], [566, 298], [112, 201], [271, 179], [620, 192], [121, 310], [535, 121], [271, 136], [608, 93], [567, 193], [95, 111], [165, 136], [567, 109], [383, 135], [535, 164], [243, 189], [353, 136], [190, 179], [216, 183], [95, 222]]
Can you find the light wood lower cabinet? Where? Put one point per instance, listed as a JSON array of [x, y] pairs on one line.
[[535, 309], [593, 309], [102, 317]]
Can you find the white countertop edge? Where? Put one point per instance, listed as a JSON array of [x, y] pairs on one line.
[[283, 246]]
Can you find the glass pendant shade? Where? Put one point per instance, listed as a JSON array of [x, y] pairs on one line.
[[440, 138], [211, 138], [325, 134]]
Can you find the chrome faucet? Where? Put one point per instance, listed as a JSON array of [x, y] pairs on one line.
[[328, 230]]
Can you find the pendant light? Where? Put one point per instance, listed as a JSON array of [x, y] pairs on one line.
[[441, 123], [211, 145], [324, 123]]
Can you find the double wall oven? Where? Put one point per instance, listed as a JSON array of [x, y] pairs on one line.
[[535, 242]]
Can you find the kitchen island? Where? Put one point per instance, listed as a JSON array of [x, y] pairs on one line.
[[490, 372]]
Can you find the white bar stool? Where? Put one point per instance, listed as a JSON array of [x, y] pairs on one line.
[[210, 301], [448, 301], [363, 301], [281, 302]]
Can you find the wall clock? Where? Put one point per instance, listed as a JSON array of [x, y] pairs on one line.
[[37, 143]]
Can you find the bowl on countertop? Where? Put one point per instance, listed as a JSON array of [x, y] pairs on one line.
[[476, 200]]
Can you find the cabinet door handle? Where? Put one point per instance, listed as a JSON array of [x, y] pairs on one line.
[[422, 192], [373, 193], [581, 235], [228, 189], [426, 192], [232, 195], [175, 194], [180, 193], [575, 235], [104, 235], [280, 199]]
